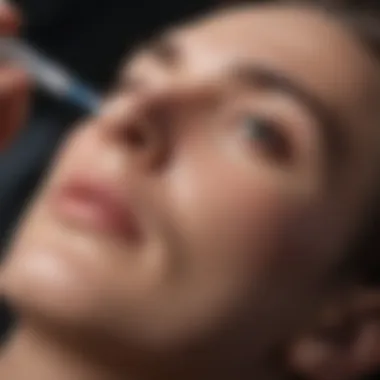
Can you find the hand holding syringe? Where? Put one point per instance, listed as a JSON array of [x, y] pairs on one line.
[[48, 75], [42, 72]]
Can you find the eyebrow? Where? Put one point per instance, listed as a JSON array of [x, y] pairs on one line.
[[330, 127], [163, 49]]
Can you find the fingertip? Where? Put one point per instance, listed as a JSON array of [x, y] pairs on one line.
[[10, 18], [21, 80], [14, 80], [14, 97]]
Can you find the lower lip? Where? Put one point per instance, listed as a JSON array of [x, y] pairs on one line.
[[95, 216]]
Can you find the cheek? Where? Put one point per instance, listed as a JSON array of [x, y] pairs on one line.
[[236, 224], [77, 149], [246, 240]]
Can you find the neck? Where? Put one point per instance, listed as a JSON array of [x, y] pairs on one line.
[[32, 355]]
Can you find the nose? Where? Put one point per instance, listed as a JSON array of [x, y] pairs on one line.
[[135, 125], [143, 124]]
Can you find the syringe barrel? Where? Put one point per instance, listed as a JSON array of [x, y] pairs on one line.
[[47, 74]]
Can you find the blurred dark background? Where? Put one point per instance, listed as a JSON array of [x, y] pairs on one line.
[[91, 38]]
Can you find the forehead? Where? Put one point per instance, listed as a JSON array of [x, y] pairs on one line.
[[303, 43], [307, 45]]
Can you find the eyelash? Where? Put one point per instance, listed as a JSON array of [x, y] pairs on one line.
[[275, 143]]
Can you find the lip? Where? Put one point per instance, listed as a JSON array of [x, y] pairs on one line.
[[96, 204]]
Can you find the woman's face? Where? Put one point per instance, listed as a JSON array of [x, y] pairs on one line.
[[220, 183]]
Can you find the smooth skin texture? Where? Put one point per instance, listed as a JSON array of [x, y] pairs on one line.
[[245, 146]]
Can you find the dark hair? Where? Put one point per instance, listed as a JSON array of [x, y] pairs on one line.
[[362, 17]]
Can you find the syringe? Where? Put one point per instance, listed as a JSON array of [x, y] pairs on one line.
[[48, 75]]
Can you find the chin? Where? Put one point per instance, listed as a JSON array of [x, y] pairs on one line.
[[64, 275], [61, 298], [51, 273]]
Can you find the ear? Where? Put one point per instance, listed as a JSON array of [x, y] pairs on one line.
[[345, 345]]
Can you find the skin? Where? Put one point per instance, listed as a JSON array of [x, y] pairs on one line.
[[245, 204], [14, 84]]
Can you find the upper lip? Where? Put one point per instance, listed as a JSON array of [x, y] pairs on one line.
[[110, 202]]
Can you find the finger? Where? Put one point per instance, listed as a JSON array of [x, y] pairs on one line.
[[14, 101], [10, 18]]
